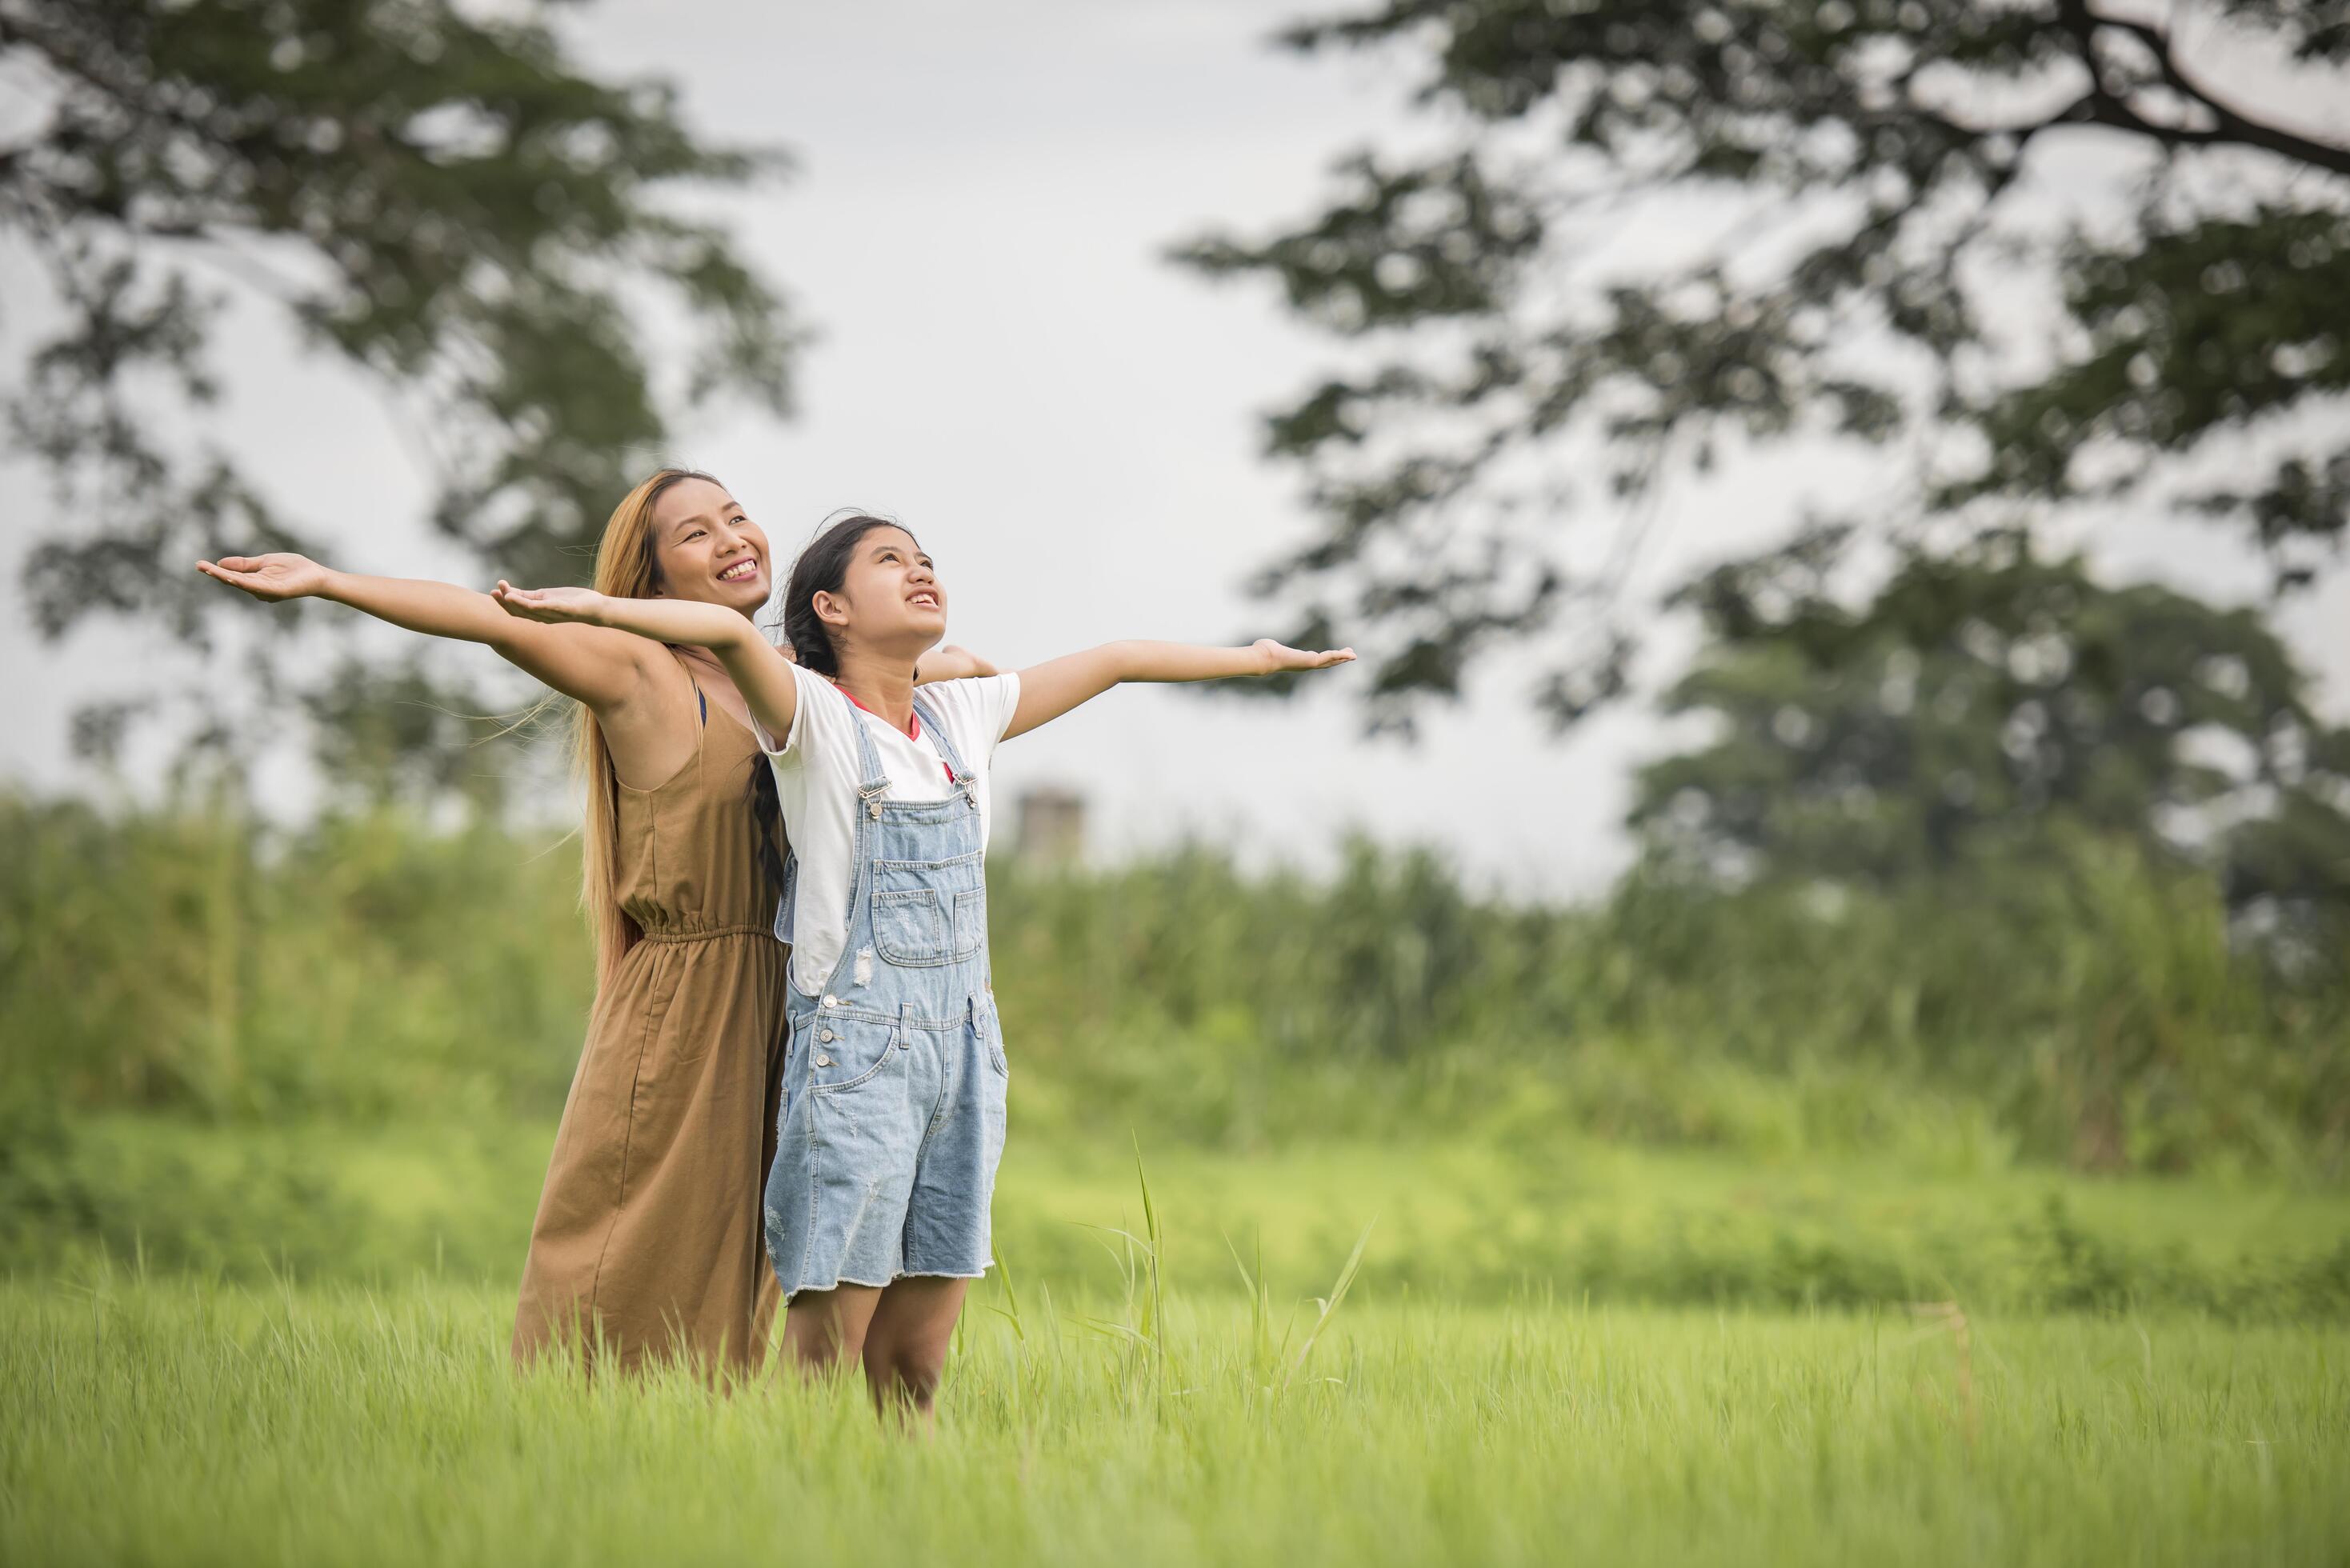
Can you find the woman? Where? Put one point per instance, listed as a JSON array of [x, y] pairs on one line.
[[895, 1073], [648, 1237]]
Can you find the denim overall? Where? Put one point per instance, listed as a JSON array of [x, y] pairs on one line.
[[894, 1078]]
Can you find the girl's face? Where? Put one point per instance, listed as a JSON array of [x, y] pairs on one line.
[[708, 549], [890, 598]]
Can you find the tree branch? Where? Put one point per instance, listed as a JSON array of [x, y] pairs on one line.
[[2231, 128]]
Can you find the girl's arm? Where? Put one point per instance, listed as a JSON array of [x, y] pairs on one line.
[[602, 669], [759, 670], [1049, 690]]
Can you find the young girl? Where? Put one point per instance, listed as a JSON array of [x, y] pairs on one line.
[[648, 1237], [877, 1206]]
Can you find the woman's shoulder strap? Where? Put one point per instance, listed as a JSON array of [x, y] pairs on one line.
[[701, 698]]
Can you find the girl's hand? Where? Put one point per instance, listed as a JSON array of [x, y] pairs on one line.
[[1280, 657], [583, 607], [282, 576], [948, 662]]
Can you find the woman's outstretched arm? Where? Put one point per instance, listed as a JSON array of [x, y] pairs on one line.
[[760, 670], [947, 662], [1049, 690], [602, 669]]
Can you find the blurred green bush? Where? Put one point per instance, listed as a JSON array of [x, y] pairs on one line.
[[2086, 1008]]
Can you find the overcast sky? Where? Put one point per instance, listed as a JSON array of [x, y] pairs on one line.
[[1069, 424]]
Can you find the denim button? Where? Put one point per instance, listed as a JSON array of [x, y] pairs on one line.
[[825, 1035], [830, 1001], [823, 1061]]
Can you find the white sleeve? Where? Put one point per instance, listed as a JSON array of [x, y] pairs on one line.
[[977, 710], [810, 720], [1002, 700]]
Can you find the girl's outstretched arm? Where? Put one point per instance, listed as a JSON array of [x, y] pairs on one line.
[[1049, 690], [759, 670], [602, 669]]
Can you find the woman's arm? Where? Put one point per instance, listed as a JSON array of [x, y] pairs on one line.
[[602, 669], [759, 670], [948, 662], [1049, 690]]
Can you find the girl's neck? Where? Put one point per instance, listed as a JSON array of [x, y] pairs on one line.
[[886, 686]]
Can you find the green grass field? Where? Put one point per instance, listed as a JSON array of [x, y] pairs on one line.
[[1454, 1219], [1550, 1350], [175, 1422]]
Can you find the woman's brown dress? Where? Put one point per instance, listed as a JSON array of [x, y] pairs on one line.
[[649, 1239]]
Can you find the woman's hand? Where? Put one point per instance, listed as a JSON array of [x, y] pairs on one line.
[[578, 607], [1279, 657], [272, 577]]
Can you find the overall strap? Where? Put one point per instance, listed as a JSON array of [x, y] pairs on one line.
[[869, 795], [940, 737], [874, 776]]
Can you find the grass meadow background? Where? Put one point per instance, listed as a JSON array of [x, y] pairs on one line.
[[1365, 1219]]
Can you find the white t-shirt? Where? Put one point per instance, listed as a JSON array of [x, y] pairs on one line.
[[818, 768]]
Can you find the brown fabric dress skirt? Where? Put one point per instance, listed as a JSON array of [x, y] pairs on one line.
[[649, 1241]]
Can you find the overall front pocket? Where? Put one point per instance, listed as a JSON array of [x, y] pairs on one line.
[[846, 1053], [914, 929]]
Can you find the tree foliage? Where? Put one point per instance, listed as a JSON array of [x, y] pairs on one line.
[[437, 196], [1879, 262], [1985, 705]]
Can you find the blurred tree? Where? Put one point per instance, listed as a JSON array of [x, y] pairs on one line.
[[1860, 169], [435, 195], [1982, 704]]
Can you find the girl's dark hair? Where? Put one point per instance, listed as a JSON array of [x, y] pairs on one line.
[[822, 567], [767, 844]]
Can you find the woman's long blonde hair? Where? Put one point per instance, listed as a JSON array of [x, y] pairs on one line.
[[625, 567]]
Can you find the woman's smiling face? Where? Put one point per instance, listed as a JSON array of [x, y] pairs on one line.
[[708, 549]]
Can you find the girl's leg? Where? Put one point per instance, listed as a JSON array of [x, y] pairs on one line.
[[824, 1328], [906, 1342]]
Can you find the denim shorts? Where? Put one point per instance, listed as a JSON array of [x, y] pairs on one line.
[[885, 1159]]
